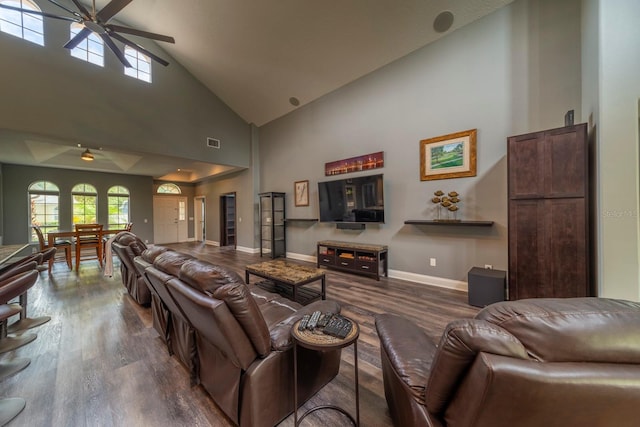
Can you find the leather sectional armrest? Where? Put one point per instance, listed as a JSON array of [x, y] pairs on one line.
[[409, 350]]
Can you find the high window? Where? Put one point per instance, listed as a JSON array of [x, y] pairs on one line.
[[91, 49], [43, 205], [118, 200], [85, 201], [140, 65], [22, 24], [168, 189]]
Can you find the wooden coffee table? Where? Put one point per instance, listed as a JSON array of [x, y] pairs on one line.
[[287, 279]]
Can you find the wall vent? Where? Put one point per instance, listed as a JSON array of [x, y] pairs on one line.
[[212, 142]]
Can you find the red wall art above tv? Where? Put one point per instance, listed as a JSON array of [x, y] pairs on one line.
[[355, 164]]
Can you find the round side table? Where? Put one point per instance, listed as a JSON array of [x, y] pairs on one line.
[[316, 340]]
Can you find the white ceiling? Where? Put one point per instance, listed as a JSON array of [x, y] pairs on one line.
[[256, 55]]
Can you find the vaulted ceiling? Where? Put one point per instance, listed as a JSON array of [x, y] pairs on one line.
[[258, 55]]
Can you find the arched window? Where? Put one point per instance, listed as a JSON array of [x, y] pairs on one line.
[[140, 65], [118, 201], [85, 204], [22, 24], [169, 189], [91, 49], [43, 206]]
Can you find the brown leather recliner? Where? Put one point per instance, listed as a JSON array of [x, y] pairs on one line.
[[159, 311], [179, 334], [536, 362], [243, 341], [127, 246]]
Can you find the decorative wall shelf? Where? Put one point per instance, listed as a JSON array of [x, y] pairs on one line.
[[449, 223], [301, 220]]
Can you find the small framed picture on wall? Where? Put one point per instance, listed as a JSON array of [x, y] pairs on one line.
[[301, 193]]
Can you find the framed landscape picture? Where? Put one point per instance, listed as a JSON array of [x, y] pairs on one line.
[[448, 156]]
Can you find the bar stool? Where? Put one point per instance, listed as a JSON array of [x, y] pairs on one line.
[[16, 365], [27, 264], [11, 288]]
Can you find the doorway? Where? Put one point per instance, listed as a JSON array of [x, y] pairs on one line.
[[169, 219], [228, 219], [199, 210]]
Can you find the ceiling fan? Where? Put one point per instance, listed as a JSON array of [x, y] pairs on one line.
[[98, 23]]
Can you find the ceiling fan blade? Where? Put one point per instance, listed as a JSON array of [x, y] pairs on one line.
[[115, 49], [139, 48], [35, 12], [83, 10], [77, 39], [113, 7], [145, 34], [73, 12]]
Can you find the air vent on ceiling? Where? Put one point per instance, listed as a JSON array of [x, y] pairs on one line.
[[212, 142]]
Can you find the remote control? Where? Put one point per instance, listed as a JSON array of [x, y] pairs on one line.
[[313, 321], [344, 330], [303, 323], [324, 319]]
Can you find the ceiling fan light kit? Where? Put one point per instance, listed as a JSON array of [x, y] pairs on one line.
[[87, 155], [98, 23]]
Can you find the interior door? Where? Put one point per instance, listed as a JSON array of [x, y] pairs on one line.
[[169, 219], [199, 216]]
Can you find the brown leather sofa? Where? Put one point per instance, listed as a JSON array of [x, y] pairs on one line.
[[127, 246], [235, 339], [536, 362], [159, 311]]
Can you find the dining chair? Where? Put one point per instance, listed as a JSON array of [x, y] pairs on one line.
[[128, 226], [88, 236], [58, 244]]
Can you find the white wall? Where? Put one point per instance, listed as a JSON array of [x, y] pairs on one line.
[[500, 75], [618, 157]]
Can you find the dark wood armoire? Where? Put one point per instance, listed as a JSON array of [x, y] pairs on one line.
[[549, 252]]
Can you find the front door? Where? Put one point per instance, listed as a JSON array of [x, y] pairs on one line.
[[169, 219]]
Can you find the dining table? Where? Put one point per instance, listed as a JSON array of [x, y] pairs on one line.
[[60, 234]]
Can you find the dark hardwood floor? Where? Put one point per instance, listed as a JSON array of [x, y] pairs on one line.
[[99, 362]]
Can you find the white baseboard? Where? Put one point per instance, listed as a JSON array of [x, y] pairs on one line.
[[403, 275], [441, 282], [248, 250], [211, 242], [301, 257]]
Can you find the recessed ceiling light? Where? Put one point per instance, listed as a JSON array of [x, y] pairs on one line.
[[294, 101], [443, 21]]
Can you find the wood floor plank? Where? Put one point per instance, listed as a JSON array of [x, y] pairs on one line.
[[99, 362]]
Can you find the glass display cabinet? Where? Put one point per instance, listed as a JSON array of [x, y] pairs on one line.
[[272, 225]]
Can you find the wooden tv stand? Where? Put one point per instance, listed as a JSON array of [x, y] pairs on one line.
[[368, 260]]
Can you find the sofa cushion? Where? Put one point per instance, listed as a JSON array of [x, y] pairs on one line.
[[151, 253], [207, 277], [568, 330], [238, 298], [170, 262]]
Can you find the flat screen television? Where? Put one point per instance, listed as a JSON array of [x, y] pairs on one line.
[[358, 200]]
